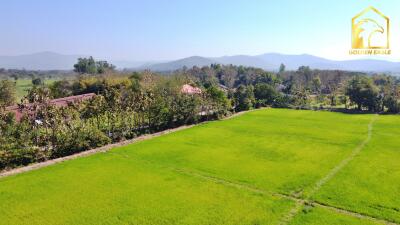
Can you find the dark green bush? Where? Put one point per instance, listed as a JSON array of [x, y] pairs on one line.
[[80, 140], [19, 157]]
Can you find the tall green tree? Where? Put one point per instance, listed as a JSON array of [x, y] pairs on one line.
[[265, 94], [90, 66], [104, 66], [7, 92], [392, 104], [219, 103], [363, 93], [86, 65], [37, 81], [306, 73], [282, 68], [244, 98], [316, 85]]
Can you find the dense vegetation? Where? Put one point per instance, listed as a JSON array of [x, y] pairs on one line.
[[124, 107], [304, 88], [127, 105], [245, 170]]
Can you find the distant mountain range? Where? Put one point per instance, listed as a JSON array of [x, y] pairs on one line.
[[272, 61], [269, 61]]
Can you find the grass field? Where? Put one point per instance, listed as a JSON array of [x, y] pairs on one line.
[[268, 166], [23, 85]]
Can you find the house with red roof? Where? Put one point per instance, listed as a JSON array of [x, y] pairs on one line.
[[60, 102], [189, 89]]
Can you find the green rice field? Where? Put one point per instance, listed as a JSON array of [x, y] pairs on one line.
[[269, 166]]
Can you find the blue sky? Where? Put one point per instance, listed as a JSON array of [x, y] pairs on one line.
[[171, 29]]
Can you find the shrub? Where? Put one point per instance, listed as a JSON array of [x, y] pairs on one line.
[[19, 157], [79, 140]]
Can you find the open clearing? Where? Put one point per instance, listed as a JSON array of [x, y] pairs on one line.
[[269, 166], [23, 85]]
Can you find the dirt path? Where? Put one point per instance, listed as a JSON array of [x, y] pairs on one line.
[[293, 212]]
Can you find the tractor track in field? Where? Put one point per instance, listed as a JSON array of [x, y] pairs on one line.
[[345, 161], [317, 186], [299, 202], [237, 185]]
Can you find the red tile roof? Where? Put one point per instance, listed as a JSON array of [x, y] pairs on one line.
[[61, 102], [189, 89]]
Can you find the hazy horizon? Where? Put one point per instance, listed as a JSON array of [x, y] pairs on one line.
[[383, 58]]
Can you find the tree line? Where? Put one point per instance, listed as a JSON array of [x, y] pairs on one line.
[[16, 74], [127, 105], [124, 107], [304, 88]]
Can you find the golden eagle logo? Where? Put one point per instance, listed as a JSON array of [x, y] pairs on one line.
[[370, 30]]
